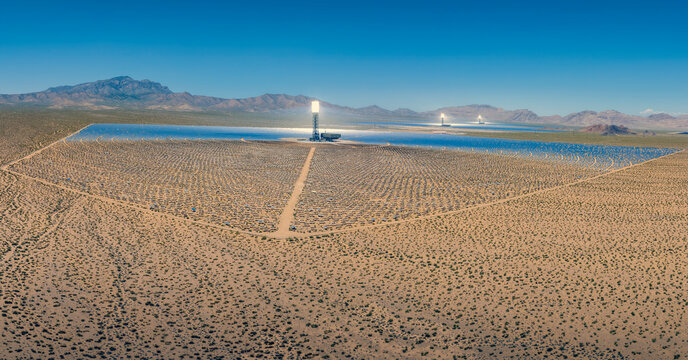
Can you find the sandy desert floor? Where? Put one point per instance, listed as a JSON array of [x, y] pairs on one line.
[[235, 183], [246, 185], [558, 261]]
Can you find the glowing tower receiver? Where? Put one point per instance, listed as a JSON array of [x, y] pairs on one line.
[[315, 109], [443, 117], [480, 119]]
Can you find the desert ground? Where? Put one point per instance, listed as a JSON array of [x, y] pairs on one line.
[[246, 185], [178, 249]]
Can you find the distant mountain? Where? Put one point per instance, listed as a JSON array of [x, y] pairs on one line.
[[405, 112], [125, 92], [490, 113], [608, 130], [374, 110], [612, 117], [660, 117], [612, 130], [117, 91], [587, 118]]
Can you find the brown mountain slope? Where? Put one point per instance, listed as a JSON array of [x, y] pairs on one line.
[[125, 92]]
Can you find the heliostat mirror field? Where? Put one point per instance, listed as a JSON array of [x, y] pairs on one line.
[[246, 184]]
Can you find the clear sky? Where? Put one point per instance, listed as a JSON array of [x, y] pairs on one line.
[[547, 56]]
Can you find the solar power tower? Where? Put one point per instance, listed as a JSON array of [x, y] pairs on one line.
[[315, 109]]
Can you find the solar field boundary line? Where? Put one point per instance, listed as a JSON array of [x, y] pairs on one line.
[[133, 206], [6, 169], [38, 151], [479, 206], [298, 188]]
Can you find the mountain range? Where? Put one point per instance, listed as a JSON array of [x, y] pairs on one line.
[[125, 92]]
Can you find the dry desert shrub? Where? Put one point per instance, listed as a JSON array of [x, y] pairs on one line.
[[242, 185], [362, 185], [85, 278], [592, 270]]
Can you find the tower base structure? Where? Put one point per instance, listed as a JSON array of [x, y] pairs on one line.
[[316, 133]]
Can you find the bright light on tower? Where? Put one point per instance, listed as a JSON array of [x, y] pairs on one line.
[[443, 117], [315, 109]]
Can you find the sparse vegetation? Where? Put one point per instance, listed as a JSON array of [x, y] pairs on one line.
[[239, 184], [591, 270]]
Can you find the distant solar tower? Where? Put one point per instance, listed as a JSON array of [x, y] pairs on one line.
[[315, 109], [443, 117], [480, 119]]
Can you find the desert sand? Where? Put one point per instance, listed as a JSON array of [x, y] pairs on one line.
[[248, 185], [167, 249]]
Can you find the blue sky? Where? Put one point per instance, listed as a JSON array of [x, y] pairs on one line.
[[550, 57]]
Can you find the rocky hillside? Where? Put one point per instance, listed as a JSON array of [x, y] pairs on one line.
[[125, 92], [608, 130], [490, 113], [612, 117]]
